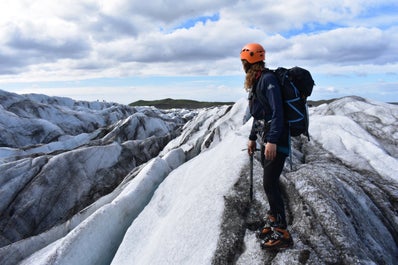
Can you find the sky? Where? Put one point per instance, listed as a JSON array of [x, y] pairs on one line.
[[126, 50]]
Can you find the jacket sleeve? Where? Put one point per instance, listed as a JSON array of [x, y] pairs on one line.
[[269, 87]]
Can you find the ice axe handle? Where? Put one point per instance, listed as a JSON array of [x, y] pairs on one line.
[[251, 177]]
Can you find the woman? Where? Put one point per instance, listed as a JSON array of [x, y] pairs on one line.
[[266, 107]]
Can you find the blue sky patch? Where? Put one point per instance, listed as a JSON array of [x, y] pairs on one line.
[[192, 21], [310, 28], [381, 10]]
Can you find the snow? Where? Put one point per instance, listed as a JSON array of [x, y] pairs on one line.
[[353, 144], [177, 210], [83, 244], [194, 184], [179, 199]]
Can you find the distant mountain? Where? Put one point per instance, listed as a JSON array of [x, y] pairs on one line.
[[169, 103], [315, 103]]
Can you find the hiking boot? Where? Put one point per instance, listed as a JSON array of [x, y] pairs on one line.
[[278, 238], [270, 221]]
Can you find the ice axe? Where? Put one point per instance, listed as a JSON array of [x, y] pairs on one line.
[[251, 172], [251, 176]]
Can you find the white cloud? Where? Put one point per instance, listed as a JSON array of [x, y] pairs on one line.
[[75, 39], [346, 46]]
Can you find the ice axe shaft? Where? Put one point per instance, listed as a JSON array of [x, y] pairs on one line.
[[251, 176], [251, 172]]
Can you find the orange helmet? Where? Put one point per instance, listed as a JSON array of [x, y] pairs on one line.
[[253, 53]]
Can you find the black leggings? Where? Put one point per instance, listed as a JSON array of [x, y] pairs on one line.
[[272, 172]]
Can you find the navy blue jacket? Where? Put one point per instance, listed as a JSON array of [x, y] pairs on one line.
[[268, 105]]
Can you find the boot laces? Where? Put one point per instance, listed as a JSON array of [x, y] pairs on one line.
[[276, 235]]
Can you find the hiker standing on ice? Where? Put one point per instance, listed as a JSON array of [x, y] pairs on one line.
[[269, 125]]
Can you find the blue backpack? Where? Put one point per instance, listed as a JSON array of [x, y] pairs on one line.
[[296, 85]]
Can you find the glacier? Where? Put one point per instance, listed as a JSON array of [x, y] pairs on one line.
[[105, 183]]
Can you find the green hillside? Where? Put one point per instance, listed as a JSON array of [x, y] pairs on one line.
[[169, 103]]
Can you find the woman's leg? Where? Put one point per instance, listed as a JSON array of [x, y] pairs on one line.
[[272, 172]]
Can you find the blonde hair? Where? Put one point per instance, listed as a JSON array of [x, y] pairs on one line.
[[252, 74]]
